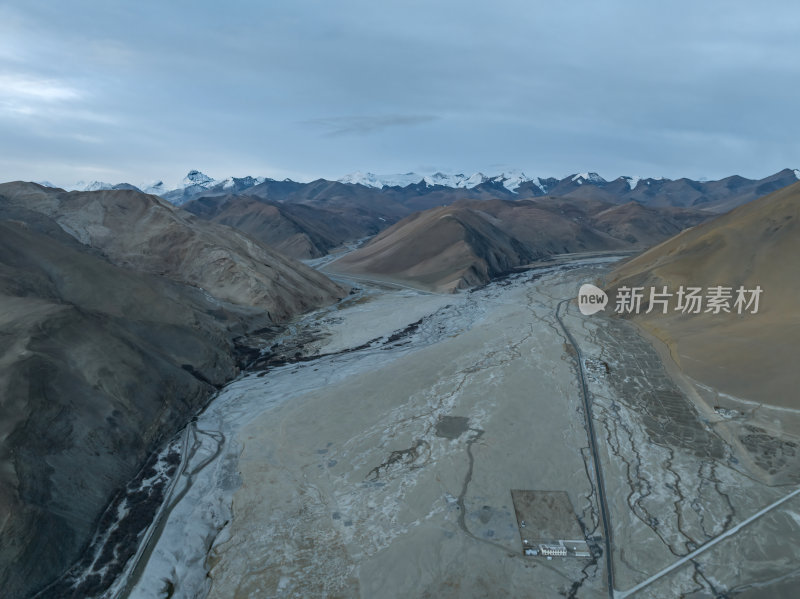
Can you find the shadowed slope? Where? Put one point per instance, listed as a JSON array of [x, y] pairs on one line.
[[119, 316], [296, 230]]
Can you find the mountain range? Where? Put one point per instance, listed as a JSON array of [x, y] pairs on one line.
[[307, 220], [470, 242], [714, 196], [122, 311]]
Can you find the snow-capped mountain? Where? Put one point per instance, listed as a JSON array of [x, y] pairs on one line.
[[632, 181], [195, 179], [508, 184], [380, 181], [242, 182], [197, 182], [582, 178], [511, 180], [156, 188], [406, 179], [90, 186]]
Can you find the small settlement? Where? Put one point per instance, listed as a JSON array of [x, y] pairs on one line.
[[548, 525]]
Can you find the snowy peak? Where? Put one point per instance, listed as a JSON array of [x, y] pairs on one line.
[[511, 180], [632, 181], [445, 180], [155, 188], [380, 181], [97, 186], [359, 178], [90, 186], [472, 180], [242, 182], [406, 179], [582, 178], [195, 177]]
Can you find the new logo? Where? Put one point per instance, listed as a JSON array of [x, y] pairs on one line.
[[591, 299]]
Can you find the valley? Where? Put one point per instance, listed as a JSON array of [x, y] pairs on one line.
[[385, 395], [399, 300], [333, 469]]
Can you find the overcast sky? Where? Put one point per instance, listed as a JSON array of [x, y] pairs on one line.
[[140, 91]]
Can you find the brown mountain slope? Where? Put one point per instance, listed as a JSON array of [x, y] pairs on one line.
[[145, 233], [103, 358], [751, 356], [296, 230], [308, 219], [472, 241], [443, 249], [643, 225], [553, 227]]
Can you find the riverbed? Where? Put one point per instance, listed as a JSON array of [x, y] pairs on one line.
[[380, 461]]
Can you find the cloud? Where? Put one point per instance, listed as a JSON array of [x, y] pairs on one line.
[[363, 125], [617, 87], [21, 87], [27, 96]]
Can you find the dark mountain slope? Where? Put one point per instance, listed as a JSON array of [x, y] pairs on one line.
[[108, 348], [296, 230]]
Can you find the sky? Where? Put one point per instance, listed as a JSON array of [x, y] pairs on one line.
[[144, 91]]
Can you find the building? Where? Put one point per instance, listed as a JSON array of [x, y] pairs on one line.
[[553, 550]]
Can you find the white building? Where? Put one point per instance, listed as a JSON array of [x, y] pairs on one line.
[[553, 550]]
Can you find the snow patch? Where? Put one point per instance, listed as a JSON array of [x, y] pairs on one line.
[[537, 181], [455, 181], [632, 181], [380, 181], [195, 177], [582, 178], [154, 188], [90, 186], [797, 174], [511, 180]]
